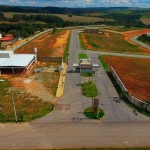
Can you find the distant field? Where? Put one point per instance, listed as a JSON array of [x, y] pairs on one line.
[[121, 28], [146, 21], [63, 16], [111, 42], [134, 73]]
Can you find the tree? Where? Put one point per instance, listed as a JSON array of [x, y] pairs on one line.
[[70, 15], [90, 75], [90, 85]]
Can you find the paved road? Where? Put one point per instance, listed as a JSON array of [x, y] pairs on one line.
[[67, 126], [134, 39]]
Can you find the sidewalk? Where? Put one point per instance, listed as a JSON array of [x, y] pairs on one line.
[[61, 83]]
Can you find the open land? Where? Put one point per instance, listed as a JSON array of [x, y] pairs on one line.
[[146, 21], [35, 94], [134, 73], [113, 41], [47, 44]]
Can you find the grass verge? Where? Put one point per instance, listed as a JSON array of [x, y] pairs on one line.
[[28, 107], [89, 89], [91, 115], [82, 56], [104, 64], [81, 42], [66, 53]]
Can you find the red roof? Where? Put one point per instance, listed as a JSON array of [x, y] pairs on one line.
[[6, 39], [9, 35]]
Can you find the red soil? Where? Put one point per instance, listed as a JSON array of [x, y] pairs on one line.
[[134, 73]]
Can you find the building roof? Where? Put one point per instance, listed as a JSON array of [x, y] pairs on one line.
[[17, 60], [8, 35], [6, 39]]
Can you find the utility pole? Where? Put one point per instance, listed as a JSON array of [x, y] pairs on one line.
[[12, 96]]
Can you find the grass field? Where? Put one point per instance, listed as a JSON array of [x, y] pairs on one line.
[[121, 28], [111, 42], [28, 107], [134, 73]]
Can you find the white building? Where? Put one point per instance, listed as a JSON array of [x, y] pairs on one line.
[[11, 63]]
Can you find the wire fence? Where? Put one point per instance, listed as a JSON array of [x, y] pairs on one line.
[[137, 102]]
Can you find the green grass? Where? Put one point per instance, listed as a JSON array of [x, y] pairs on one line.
[[82, 56], [89, 90], [28, 107], [148, 43], [66, 53], [112, 43], [89, 113], [121, 28], [84, 74], [104, 64], [81, 42]]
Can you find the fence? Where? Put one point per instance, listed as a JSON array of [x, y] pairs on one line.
[[130, 97], [28, 40], [50, 59]]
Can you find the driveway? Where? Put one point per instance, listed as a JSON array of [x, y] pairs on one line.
[[67, 127]]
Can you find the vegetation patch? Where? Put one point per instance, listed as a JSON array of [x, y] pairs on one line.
[[104, 64], [112, 43], [82, 56], [81, 41], [66, 53], [91, 115], [28, 107], [144, 38], [89, 89]]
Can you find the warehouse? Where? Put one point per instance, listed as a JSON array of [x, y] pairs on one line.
[[11, 63]]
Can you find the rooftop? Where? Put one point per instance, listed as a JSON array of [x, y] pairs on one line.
[[17, 60]]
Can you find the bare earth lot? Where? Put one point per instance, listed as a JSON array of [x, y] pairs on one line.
[[134, 73], [48, 44], [34, 94]]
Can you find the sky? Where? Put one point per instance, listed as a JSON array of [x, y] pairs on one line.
[[78, 3]]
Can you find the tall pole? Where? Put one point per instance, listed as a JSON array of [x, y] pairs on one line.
[[14, 107]]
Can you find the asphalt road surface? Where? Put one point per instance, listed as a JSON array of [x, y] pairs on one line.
[[67, 127]]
